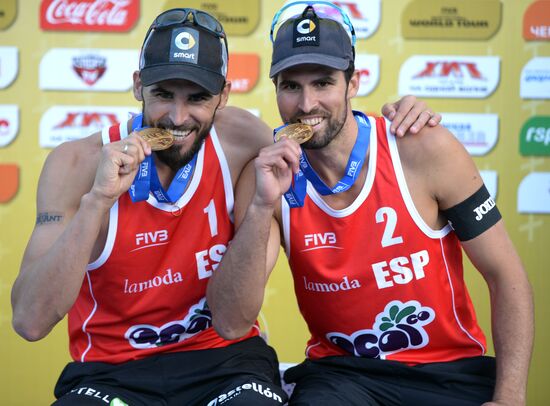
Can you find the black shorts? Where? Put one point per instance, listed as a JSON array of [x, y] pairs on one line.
[[245, 373], [364, 381]]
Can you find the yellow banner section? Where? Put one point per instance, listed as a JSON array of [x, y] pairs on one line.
[[8, 10], [451, 19], [237, 17]]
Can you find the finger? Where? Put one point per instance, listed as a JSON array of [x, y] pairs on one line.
[[388, 110], [404, 108], [415, 119], [422, 120], [135, 147], [435, 120], [126, 162]]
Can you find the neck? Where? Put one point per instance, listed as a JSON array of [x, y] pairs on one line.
[[330, 162], [164, 172]]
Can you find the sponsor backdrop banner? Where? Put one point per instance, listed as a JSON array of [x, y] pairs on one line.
[[65, 71]]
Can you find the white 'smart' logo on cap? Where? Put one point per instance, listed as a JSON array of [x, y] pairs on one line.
[[305, 26], [185, 41]]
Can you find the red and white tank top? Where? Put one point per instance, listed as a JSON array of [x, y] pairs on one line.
[[373, 279], [146, 293]]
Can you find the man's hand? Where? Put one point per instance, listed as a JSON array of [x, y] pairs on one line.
[[118, 166], [275, 167], [409, 114]]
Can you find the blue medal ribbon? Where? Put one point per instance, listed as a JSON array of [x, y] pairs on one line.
[[296, 194], [147, 179]]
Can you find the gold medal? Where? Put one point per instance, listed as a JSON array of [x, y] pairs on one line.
[[298, 132], [157, 138]]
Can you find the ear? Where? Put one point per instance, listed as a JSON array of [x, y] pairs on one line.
[[224, 95], [138, 87], [353, 85]]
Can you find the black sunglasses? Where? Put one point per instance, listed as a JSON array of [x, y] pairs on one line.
[[183, 15]]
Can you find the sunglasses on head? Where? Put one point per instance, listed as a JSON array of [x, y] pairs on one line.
[[322, 9], [190, 16]]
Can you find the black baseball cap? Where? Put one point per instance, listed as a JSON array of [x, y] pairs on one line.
[[309, 39], [185, 44]]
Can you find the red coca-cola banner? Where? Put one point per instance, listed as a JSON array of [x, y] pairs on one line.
[[89, 15]]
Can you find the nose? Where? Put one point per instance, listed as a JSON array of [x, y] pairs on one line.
[[308, 100], [179, 112]]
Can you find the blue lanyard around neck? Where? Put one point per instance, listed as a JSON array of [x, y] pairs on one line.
[[296, 194], [147, 179]]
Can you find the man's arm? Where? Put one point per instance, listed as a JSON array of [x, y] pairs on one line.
[[512, 319], [236, 290], [449, 176], [69, 218]]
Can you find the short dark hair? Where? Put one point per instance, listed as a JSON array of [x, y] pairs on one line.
[[348, 73]]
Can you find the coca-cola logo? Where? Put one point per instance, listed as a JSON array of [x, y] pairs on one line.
[[89, 15]]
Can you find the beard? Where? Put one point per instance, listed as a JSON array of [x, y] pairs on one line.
[[173, 157], [332, 130]]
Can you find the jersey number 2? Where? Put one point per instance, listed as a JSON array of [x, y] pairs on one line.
[[388, 215]]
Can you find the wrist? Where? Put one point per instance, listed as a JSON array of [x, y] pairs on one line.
[[96, 202], [262, 207]]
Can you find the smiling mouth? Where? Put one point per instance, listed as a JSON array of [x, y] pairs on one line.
[[313, 121], [180, 135]]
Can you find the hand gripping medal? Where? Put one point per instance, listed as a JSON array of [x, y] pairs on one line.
[[157, 138], [298, 132]]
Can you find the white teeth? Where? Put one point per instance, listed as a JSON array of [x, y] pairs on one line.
[[311, 121], [180, 134]]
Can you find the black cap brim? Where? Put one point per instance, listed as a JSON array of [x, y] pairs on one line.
[[211, 81]]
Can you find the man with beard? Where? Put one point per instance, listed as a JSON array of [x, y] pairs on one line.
[[131, 269], [364, 222]]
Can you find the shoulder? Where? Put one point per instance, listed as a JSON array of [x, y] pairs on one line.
[[438, 162], [237, 125], [430, 147], [241, 136]]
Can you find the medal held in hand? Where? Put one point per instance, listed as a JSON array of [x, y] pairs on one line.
[[157, 138], [298, 132]]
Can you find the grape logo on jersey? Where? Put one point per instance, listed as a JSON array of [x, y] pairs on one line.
[[9, 123], [143, 336], [535, 79], [89, 15], [477, 132], [398, 328], [535, 137], [536, 21], [449, 76], [9, 65], [96, 70], [534, 193], [65, 123], [90, 68]]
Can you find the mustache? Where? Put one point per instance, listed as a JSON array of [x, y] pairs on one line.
[[317, 112]]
